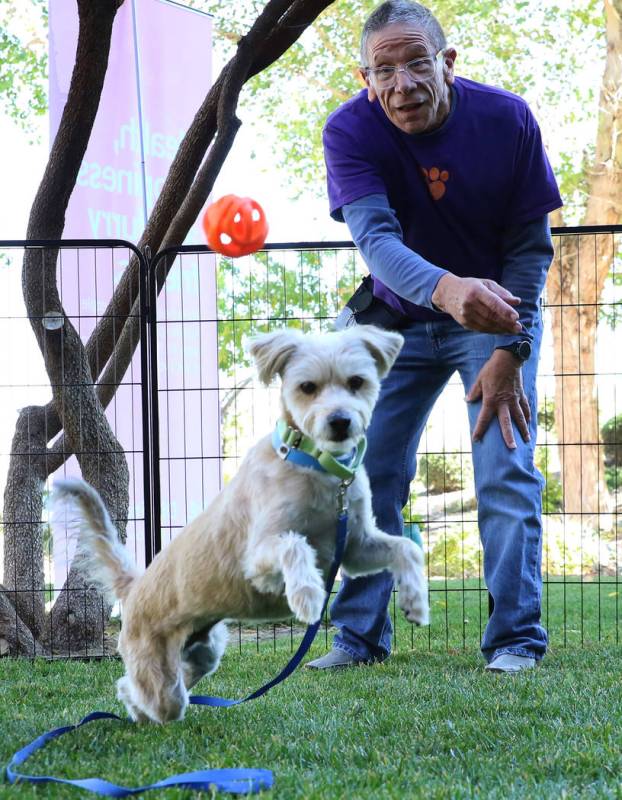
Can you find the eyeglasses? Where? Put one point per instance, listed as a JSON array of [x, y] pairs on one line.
[[419, 69]]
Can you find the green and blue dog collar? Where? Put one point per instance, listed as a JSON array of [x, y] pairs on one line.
[[294, 446]]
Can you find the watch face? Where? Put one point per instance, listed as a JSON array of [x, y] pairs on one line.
[[520, 350], [523, 350]]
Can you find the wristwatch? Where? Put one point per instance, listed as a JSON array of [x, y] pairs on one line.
[[521, 349]]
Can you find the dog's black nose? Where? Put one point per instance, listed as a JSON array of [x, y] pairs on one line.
[[339, 425]]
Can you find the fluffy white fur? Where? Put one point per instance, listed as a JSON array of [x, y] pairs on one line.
[[260, 551]]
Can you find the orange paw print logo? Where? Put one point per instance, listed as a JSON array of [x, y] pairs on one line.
[[436, 179]]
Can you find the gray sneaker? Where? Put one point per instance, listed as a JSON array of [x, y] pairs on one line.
[[334, 659], [508, 662]]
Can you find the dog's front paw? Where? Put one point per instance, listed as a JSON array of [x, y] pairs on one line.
[[413, 600], [307, 602]]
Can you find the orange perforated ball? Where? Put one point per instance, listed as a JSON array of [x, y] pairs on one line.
[[235, 226]]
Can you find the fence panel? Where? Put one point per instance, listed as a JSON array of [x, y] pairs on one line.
[[189, 407], [45, 607], [212, 410]]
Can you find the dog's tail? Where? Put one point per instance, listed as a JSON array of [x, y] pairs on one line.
[[102, 558]]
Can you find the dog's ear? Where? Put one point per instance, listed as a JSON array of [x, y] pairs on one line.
[[272, 351], [383, 345]]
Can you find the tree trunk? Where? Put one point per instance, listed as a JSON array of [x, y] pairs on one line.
[[574, 288], [74, 402], [573, 291], [79, 615], [18, 636], [23, 546]]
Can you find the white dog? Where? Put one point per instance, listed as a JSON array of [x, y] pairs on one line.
[[262, 548]]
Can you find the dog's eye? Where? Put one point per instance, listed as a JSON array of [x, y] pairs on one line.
[[308, 387], [355, 383]]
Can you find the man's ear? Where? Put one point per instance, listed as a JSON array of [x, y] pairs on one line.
[[371, 92], [272, 351], [449, 59]]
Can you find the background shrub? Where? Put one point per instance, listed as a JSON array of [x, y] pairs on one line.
[[444, 472]]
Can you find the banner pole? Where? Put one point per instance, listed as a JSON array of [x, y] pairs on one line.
[[140, 110]]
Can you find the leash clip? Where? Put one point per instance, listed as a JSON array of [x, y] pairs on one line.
[[342, 500]]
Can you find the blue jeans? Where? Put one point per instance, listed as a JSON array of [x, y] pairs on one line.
[[508, 488]]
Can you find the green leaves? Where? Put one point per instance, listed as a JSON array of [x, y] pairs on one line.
[[23, 61], [294, 288], [546, 51]]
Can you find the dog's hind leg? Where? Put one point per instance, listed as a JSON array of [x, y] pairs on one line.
[[202, 652], [154, 686]]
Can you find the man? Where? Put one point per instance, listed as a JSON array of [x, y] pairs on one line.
[[446, 190]]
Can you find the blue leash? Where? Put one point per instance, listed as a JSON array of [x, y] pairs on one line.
[[234, 781]]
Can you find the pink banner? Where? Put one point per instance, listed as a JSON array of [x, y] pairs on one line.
[[158, 74]]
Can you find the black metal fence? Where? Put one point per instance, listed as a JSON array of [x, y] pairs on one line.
[[187, 409], [50, 361]]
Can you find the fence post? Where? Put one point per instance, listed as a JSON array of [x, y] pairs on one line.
[[146, 312]]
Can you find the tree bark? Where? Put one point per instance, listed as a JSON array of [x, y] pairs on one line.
[[14, 632], [574, 287], [76, 614], [23, 505], [77, 618]]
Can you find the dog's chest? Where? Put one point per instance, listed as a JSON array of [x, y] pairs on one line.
[[316, 517]]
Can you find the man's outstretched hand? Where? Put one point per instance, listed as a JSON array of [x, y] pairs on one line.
[[479, 304]]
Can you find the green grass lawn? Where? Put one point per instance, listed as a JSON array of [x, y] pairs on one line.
[[574, 612], [427, 723]]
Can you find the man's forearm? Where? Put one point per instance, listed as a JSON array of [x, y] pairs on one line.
[[527, 255], [378, 236], [477, 304]]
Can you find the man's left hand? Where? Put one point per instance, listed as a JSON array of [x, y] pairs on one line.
[[499, 386]]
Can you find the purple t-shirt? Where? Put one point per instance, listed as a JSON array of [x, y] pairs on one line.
[[453, 190]]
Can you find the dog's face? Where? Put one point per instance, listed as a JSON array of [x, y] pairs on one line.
[[330, 381]]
